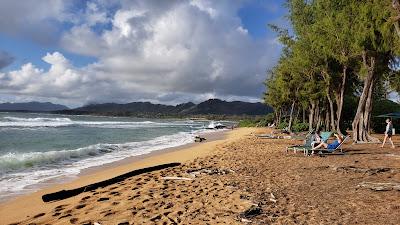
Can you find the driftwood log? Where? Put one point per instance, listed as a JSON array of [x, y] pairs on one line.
[[60, 195], [380, 186]]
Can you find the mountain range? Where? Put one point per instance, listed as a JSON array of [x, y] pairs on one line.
[[147, 109], [32, 107], [209, 107]]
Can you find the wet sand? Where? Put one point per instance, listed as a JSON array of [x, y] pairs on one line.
[[239, 180]]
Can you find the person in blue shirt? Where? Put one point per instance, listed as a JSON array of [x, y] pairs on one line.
[[330, 147], [388, 132]]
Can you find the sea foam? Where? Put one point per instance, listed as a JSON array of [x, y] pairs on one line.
[[19, 171]]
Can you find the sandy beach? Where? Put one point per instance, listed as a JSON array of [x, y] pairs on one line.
[[240, 179]]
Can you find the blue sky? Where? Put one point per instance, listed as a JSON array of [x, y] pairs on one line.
[[83, 35]]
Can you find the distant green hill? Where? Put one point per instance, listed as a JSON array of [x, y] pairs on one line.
[[32, 107], [209, 107]]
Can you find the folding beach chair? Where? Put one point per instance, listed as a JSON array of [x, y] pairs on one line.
[[329, 151], [308, 142]]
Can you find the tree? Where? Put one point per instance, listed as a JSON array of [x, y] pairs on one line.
[[396, 18], [338, 48], [373, 42]]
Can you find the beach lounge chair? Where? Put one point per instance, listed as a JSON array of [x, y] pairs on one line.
[[307, 143], [329, 151]]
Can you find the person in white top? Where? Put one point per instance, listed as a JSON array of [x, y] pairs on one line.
[[388, 133]]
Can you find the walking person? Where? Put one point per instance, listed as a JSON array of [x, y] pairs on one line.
[[388, 132]]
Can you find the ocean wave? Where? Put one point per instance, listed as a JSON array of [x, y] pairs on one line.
[[37, 119], [65, 122], [21, 172], [17, 161], [55, 122]]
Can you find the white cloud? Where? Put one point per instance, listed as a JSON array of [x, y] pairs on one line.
[[242, 30], [162, 52]]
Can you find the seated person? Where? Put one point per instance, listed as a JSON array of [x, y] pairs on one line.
[[329, 147], [316, 139]]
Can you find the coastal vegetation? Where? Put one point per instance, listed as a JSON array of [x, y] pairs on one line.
[[340, 61]]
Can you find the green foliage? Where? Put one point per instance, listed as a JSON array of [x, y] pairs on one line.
[[257, 121], [329, 39], [269, 118], [283, 125], [248, 123], [299, 127]]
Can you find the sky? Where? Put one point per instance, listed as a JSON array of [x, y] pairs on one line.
[[170, 52]]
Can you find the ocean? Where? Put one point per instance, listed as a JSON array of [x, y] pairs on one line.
[[39, 148]]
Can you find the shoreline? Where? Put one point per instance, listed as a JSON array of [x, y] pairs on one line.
[[210, 136], [180, 154]]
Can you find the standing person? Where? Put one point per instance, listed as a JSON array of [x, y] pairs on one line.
[[388, 132]]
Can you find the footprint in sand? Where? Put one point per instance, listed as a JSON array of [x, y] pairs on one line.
[[109, 213], [59, 208], [165, 195], [85, 198], [80, 206], [64, 216], [115, 193], [112, 188], [169, 205], [123, 223], [103, 199], [39, 215]]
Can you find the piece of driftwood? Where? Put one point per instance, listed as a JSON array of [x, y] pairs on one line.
[[176, 178], [380, 186], [60, 195], [253, 211], [370, 171], [199, 139]]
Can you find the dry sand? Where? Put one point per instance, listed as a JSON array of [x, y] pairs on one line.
[[229, 177]]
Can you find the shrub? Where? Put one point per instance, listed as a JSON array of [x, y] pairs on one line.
[[247, 123], [298, 127], [283, 125]]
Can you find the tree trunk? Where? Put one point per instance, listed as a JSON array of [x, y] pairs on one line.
[[361, 122], [311, 116], [332, 113], [396, 6], [291, 117], [304, 115], [297, 115], [279, 117], [319, 118], [396, 25], [327, 119], [316, 116], [340, 101]]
